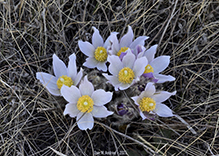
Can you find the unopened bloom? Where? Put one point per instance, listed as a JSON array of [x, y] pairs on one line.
[[63, 75], [125, 72], [156, 65], [86, 103], [97, 51], [123, 109], [126, 42], [150, 102]]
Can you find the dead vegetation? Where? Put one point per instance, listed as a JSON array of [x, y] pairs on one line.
[[31, 119]]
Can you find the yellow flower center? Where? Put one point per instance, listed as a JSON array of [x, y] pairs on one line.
[[148, 69], [126, 75], [147, 104], [64, 80], [100, 54], [85, 104], [122, 50]]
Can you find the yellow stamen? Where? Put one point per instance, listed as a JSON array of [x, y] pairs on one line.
[[126, 75], [85, 104], [148, 69], [64, 80], [100, 54], [122, 50], [147, 104]]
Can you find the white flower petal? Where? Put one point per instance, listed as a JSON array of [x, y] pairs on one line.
[[48, 80], [163, 78], [129, 59], [163, 110], [86, 48], [162, 96], [107, 43], [113, 80], [160, 63], [78, 77], [149, 90], [142, 115], [100, 112], [115, 43], [91, 62], [97, 40], [126, 40], [102, 66], [86, 87], [71, 94], [59, 66], [139, 51], [138, 41], [124, 86], [150, 53], [71, 109], [72, 68], [85, 121], [55, 92], [139, 66], [100, 97], [115, 64], [136, 99]]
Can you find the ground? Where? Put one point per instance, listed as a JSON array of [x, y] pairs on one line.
[[32, 120]]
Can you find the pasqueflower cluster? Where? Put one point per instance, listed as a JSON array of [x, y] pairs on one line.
[[124, 63]]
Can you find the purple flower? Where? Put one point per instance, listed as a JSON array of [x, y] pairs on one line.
[[63, 75], [125, 72], [156, 65], [126, 42], [150, 102], [86, 103], [122, 109], [97, 52]]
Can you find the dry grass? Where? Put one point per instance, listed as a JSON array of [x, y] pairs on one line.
[[31, 119]]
